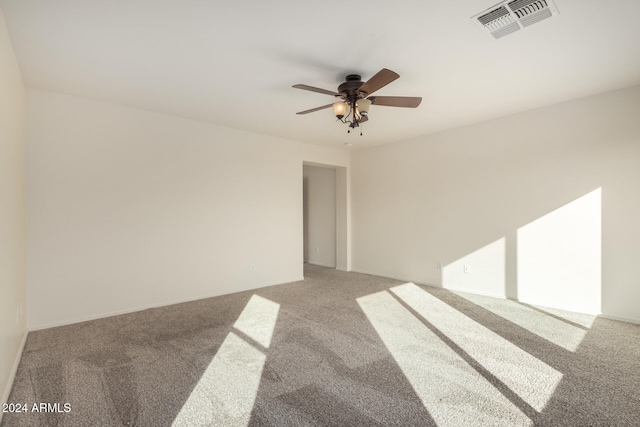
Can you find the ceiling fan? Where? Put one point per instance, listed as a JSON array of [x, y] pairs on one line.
[[356, 97]]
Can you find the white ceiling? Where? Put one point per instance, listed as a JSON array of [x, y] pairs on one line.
[[233, 63]]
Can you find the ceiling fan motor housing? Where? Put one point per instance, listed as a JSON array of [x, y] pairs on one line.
[[349, 89]]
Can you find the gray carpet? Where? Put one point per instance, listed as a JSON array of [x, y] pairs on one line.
[[341, 349]]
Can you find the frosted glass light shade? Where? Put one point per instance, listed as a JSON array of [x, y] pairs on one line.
[[340, 109], [363, 106]]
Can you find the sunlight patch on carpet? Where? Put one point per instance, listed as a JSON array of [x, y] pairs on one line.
[[550, 328], [531, 379], [258, 319], [580, 319], [227, 390], [451, 390]]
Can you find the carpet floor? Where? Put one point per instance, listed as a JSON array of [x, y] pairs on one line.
[[337, 349]]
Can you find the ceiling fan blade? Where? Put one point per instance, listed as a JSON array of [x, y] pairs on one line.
[[316, 89], [315, 109], [380, 80], [396, 101]]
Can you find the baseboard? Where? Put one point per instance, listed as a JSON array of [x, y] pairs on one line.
[[484, 294], [147, 307], [89, 318], [406, 279], [320, 264], [620, 319], [386, 276], [14, 370]]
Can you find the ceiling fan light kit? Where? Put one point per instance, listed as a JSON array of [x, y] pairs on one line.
[[353, 109], [358, 112]]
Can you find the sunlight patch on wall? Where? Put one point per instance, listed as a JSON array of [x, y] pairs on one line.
[[531, 379], [443, 381], [554, 330], [485, 273], [226, 392], [559, 257]]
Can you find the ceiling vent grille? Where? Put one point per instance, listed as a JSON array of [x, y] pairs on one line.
[[511, 15]]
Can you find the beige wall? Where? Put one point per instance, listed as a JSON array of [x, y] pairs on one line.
[[542, 206], [12, 213], [129, 209], [320, 215]]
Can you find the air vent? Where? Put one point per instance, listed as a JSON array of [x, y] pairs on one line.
[[510, 16]]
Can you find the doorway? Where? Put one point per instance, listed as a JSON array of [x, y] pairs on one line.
[[325, 216], [319, 215]]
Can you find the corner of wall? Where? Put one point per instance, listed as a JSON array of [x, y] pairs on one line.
[[13, 330]]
